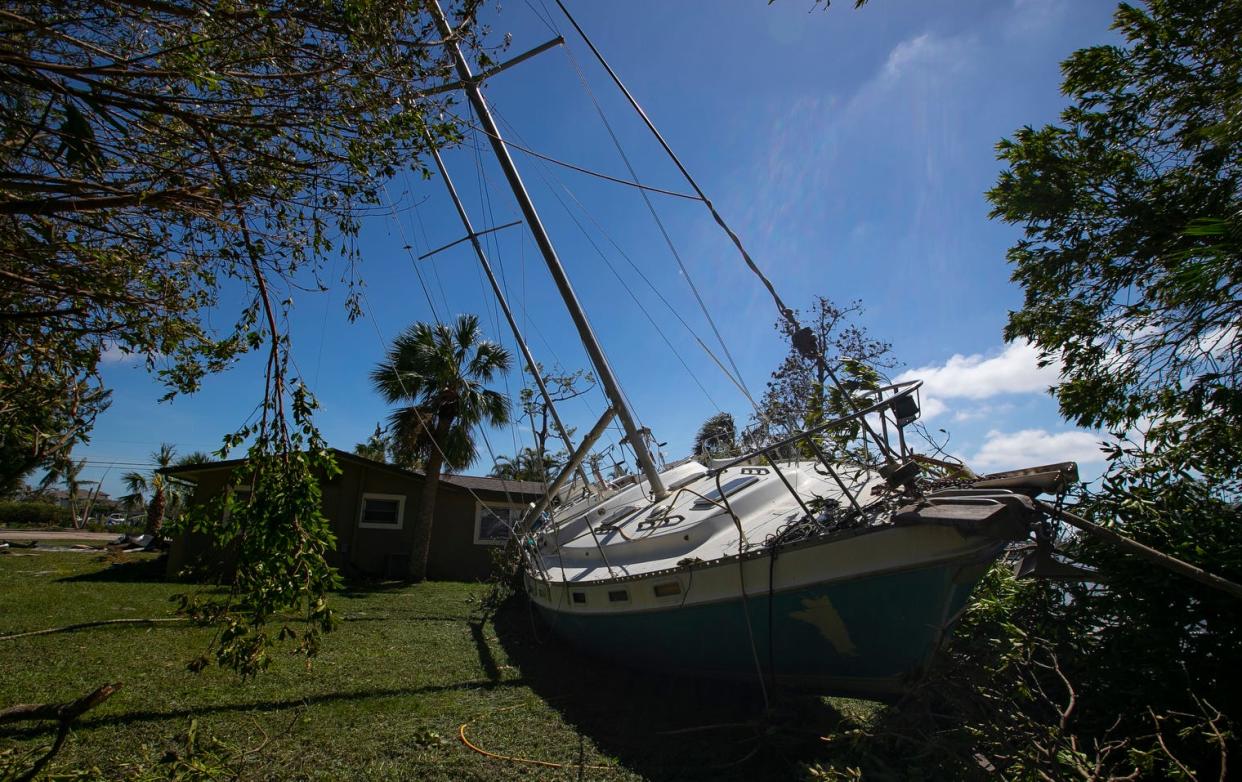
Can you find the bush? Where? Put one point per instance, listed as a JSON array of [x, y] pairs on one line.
[[34, 514]]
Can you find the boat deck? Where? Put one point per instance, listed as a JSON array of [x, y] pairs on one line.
[[703, 518]]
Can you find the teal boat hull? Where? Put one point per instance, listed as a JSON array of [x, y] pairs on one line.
[[867, 636]]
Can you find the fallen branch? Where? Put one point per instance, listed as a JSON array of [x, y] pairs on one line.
[[88, 625], [1146, 552], [63, 713]]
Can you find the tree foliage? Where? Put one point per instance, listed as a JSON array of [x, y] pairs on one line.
[[562, 386], [154, 155], [439, 371], [374, 447], [160, 157], [716, 435], [527, 465], [167, 492], [1129, 265], [277, 536], [1133, 234], [800, 394]]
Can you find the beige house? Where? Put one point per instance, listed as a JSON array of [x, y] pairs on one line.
[[372, 506]]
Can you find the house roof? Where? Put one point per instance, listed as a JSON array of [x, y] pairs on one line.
[[494, 484], [464, 482]]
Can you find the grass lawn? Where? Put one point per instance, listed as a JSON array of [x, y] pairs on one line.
[[384, 700]]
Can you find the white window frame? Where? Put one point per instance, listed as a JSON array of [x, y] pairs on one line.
[[478, 521], [362, 509]]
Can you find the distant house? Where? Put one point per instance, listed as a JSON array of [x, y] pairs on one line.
[[372, 506]]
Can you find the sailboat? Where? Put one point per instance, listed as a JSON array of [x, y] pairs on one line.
[[780, 564]]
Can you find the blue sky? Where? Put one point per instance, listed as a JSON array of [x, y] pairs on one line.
[[849, 149]]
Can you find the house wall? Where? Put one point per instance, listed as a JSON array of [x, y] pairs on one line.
[[193, 551], [370, 551]]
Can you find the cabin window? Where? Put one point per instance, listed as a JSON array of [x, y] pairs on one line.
[[727, 489], [667, 589], [382, 511], [619, 596], [579, 597], [493, 524]]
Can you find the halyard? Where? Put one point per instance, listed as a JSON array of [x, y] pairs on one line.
[[386, 698]]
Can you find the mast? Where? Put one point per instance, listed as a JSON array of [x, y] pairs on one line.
[[470, 85], [504, 306]]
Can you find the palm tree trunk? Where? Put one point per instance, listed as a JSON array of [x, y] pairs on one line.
[[421, 546], [155, 514]]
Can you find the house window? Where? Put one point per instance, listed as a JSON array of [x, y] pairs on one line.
[[381, 511], [494, 523]]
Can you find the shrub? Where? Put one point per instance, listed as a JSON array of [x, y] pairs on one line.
[[33, 514]]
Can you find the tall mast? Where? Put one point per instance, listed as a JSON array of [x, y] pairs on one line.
[[600, 362], [531, 364]]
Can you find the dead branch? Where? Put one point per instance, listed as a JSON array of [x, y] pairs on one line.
[[63, 713]]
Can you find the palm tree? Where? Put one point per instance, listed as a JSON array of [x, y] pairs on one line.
[[717, 436], [166, 492], [136, 485], [375, 447], [439, 371], [69, 471], [527, 465]]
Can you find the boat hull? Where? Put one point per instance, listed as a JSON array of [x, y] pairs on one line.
[[865, 635]]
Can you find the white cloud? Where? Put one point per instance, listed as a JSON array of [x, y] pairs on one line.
[[1030, 447], [982, 411], [925, 54], [1015, 370], [112, 354], [931, 407], [1033, 17]]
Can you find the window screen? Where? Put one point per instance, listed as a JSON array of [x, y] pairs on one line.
[[381, 511], [495, 524]]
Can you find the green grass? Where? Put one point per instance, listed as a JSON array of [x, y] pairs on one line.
[[384, 700]]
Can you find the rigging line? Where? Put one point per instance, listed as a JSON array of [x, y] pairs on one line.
[[493, 248], [502, 140], [413, 261], [547, 179], [484, 295], [672, 310], [699, 340], [660, 223], [504, 484], [547, 20], [638, 303], [785, 312], [504, 287], [522, 267], [435, 269], [630, 291], [323, 335], [491, 241], [580, 169], [544, 176]]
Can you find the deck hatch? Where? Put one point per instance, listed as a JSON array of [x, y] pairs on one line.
[[612, 522], [728, 489]]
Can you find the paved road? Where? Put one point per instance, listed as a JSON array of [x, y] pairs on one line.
[[54, 534]]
